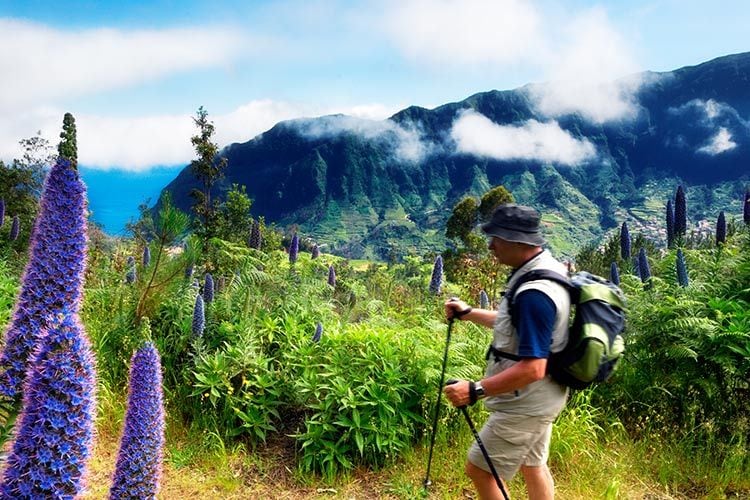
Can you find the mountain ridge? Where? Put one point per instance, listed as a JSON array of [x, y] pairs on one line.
[[344, 181]]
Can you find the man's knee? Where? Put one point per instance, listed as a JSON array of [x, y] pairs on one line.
[[475, 472]]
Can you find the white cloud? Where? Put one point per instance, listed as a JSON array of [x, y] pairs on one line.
[[581, 53], [719, 143], [456, 32], [41, 63], [586, 72], [406, 142], [140, 143], [534, 141]]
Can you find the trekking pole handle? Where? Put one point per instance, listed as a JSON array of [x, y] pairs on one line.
[[458, 314]]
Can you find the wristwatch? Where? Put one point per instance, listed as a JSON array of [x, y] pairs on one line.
[[479, 390], [476, 392]]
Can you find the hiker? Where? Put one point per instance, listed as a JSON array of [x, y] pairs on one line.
[[522, 399]]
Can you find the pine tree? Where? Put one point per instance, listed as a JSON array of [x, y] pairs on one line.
[[208, 168]]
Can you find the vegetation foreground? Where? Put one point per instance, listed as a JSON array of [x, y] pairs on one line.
[[223, 358]]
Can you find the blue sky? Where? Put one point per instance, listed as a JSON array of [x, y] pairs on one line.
[[133, 73]]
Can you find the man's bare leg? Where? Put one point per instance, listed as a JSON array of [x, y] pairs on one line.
[[484, 482], [539, 483]]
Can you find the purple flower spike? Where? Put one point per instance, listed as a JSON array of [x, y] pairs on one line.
[[256, 240], [644, 271], [130, 273], [15, 228], [721, 229], [139, 461], [484, 300], [670, 224], [436, 281], [331, 276], [294, 249], [745, 210], [146, 256], [208, 289], [318, 333], [680, 213], [54, 275], [682, 274], [55, 435], [199, 316], [624, 241], [315, 252], [614, 274], [2, 211]]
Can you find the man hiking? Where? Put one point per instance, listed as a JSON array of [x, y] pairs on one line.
[[522, 399]]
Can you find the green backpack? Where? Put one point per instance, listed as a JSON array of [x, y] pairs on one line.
[[595, 341]]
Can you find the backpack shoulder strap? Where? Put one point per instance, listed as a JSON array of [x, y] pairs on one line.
[[536, 274]]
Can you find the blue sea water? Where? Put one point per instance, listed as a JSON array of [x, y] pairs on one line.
[[114, 195]]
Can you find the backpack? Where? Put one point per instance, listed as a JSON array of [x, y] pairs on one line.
[[595, 338]]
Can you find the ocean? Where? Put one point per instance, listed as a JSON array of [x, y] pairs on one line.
[[114, 195]]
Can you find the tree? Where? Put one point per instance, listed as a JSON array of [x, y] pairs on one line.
[[471, 262], [68, 147], [208, 168], [491, 199], [38, 156], [233, 222]]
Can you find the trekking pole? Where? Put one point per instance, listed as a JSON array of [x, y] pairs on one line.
[[436, 416], [481, 447]]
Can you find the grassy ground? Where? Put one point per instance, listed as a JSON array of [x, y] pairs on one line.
[[198, 467]]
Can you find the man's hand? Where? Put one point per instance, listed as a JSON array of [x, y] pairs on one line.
[[455, 308], [457, 393]]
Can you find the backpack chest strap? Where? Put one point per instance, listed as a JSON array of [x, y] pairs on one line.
[[499, 355]]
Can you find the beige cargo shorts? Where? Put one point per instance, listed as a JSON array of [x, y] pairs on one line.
[[511, 441]]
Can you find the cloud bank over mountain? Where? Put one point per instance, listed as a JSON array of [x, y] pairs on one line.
[[476, 134]]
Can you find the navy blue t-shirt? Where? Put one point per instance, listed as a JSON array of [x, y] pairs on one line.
[[536, 314]]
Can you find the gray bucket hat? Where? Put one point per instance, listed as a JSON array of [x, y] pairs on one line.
[[516, 223]]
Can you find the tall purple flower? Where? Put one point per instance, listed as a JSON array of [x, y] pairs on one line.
[[318, 333], [256, 239], [670, 224], [208, 289], [55, 435], [721, 229], [614, 273], [2, 211], [436, 281], [331, 276], [130, 273], [139, 461], [146, 256], [54, 275], [484, 300], [294, 249], [682, 275], [680, 213], [199, 316], [644, 271], [15, 228], [189, 271], [745, 210], [624, 241], [315, 252]]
